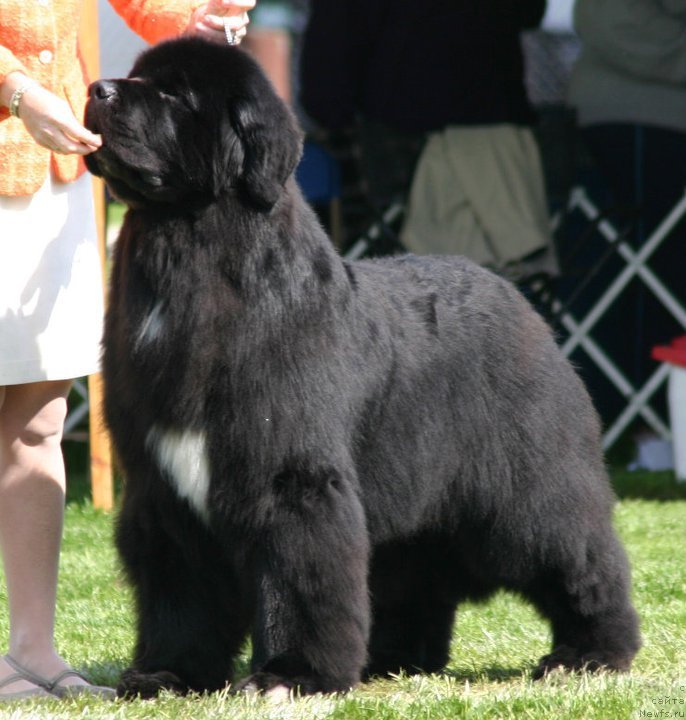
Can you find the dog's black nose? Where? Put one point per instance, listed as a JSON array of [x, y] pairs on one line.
[[103, 89]]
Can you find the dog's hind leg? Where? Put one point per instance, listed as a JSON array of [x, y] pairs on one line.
[[413, 602], [312, 625], [587, 602], [192, 617]]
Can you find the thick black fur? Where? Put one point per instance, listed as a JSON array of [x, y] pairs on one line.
[[381, 440]]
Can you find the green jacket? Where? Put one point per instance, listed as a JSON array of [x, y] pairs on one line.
[[633, 64]]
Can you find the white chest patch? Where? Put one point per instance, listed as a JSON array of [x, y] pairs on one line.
[[182, 455]]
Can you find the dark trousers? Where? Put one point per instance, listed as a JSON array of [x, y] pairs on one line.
[[645, 170]]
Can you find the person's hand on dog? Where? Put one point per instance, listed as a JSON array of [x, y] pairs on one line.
[[221, 20], [49, 119]]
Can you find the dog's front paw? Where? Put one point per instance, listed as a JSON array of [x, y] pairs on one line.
[[136, 684], [562, 658]]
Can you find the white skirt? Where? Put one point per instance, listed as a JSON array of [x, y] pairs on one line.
[[51, 297]]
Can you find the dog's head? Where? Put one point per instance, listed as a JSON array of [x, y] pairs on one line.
[[192, 120]]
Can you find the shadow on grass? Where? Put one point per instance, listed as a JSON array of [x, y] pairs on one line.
[[639, 484], [643, 485], [494, 673], [105, 673]]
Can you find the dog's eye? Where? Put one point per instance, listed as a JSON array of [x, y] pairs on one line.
[[186, 99]]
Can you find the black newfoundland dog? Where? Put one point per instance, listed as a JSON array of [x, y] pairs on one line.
[[326, 457]]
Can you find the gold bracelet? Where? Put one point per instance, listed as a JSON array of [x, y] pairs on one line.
[[17, 95]]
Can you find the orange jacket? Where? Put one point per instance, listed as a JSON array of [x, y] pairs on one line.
[[40, 39]]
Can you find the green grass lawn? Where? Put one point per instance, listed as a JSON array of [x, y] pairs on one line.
[[495, 645]]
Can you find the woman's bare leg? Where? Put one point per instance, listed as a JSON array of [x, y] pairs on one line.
[[32, 491]]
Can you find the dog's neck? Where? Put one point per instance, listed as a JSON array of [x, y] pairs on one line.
[[255, 250]]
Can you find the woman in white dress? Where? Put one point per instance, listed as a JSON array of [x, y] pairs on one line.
[[51, 297]]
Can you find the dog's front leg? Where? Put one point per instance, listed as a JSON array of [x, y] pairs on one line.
[[312, 626], [192, 614]]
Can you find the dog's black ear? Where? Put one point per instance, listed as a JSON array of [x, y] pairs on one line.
[[272, 145]]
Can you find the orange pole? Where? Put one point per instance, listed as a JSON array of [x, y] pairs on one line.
[[100, 448]]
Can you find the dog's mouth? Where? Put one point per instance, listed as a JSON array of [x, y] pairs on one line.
[[91, 120], [133, 186]]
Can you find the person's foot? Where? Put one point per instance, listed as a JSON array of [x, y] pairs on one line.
[[14, 686], [53, 675]]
